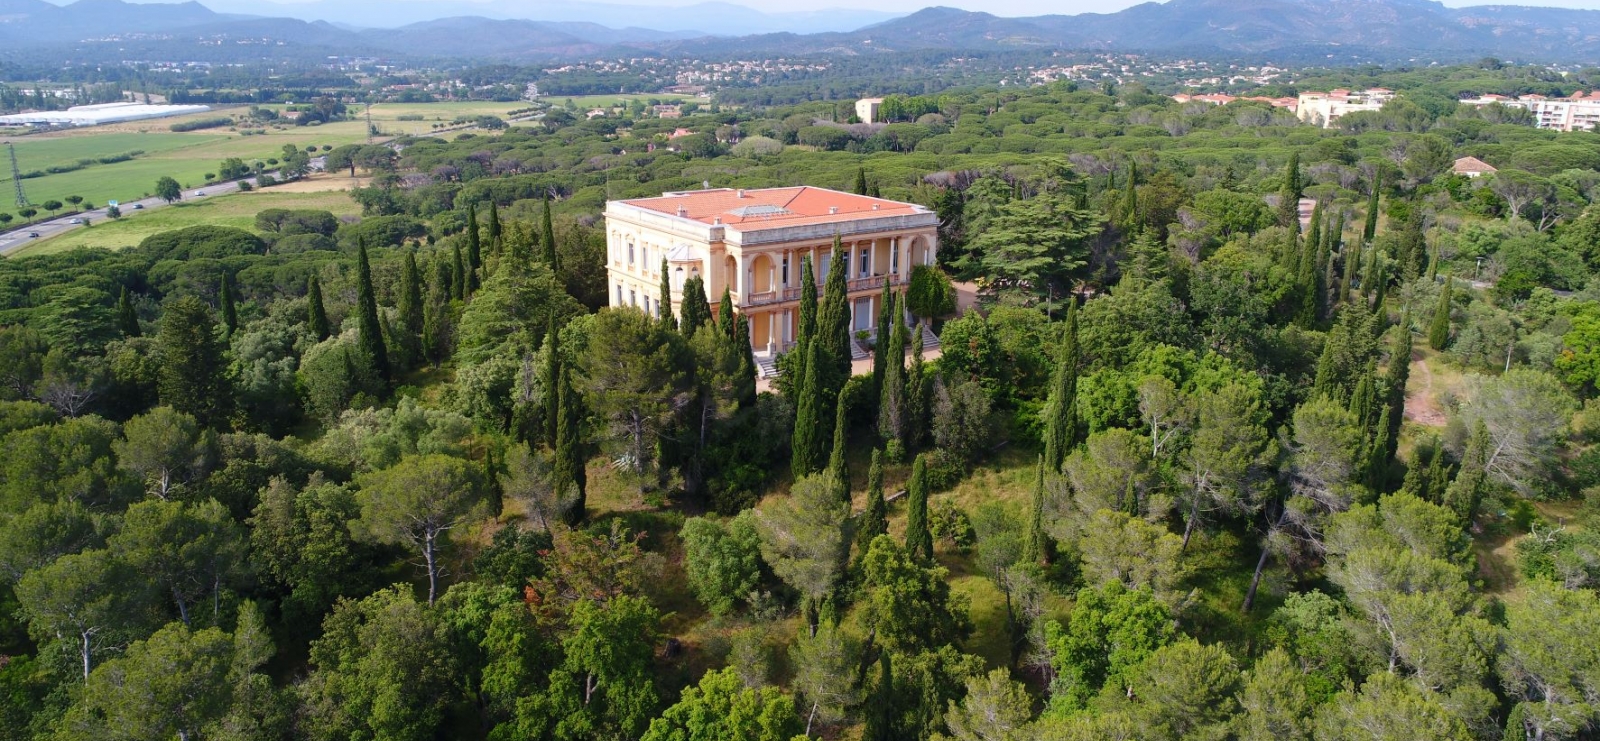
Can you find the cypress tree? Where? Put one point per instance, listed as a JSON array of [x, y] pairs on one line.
[[433, 324], [1060, 433], [880, 341], [568, 469], [127, 318], [1351, 260], [1413, 245], [1289, 254], [474, 249], [1308, 281], [695, 310], [1325, 277], [1438, 476], [806, 329], [1439, 329], [1289, 193], [806, 448], [725, 313], [230, 313], [808, 300], [1130, 199], [1315, 235], [747, 364], [1370, 230], [458, 276], [375, 354], [411, 296], [838, 464], [861, 181], [664, 305], [552, 377], [919, 539], [494, 224], [1395, 380], [833, 323], [190, 377], [1372, 272], [1035, 543], [919, 396], [1380, 296], [875, 520], [1465, 493], [316, 314], [1361, 402], [880, 709], [1416, 481], [441, 276], [892, 389], [1377, 463], [547, 235]]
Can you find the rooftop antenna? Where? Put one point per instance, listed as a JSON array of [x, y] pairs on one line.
[[16, 177]]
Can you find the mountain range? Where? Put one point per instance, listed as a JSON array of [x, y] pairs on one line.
[[1305, 29]]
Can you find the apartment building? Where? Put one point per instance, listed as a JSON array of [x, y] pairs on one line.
[[1325, 109]]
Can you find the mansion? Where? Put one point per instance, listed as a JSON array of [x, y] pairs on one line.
[[751, 242]]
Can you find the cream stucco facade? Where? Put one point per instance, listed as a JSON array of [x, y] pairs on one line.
[[751, 243]]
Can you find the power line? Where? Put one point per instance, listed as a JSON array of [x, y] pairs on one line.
[[16, 177]]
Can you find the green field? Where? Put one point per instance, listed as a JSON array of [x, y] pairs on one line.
[[189, 156], [235, 209]]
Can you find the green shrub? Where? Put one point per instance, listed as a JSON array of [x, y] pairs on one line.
[[931, 294]]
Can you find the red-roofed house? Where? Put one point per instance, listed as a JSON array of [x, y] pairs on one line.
[[1471, 167], [752, 242]]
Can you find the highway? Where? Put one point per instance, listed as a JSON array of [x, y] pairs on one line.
[[18, 238]]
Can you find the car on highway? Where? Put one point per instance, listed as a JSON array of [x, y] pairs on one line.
[[199, 193], [76, 221], [138, 206], [33, 235]]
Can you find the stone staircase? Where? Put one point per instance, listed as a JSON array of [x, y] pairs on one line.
[[857, 351], [766, 366], [930, 341]]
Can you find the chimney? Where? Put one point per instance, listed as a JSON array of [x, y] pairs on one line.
[[874, 207], [738, 193], [717, 221], [683, 212], [833, 209]]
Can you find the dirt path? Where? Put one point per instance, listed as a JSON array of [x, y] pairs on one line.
[[1421, 406]]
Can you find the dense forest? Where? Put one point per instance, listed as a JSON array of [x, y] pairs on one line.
[[1255, 431]]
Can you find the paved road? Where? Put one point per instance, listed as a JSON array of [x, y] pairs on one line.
[[15, 240]]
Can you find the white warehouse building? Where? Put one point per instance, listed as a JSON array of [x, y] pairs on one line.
[[103, 113]]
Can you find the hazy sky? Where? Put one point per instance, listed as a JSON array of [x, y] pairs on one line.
[[998, 7]]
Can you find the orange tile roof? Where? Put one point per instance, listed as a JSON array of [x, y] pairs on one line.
[[770, 208], [1472, 164]]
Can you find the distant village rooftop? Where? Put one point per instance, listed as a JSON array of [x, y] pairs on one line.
[[765, 208]]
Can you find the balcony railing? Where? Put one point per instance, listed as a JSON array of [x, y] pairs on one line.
[[762, 298], [866, 284], [780, 295]]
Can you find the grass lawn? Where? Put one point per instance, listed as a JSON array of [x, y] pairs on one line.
[[188, 156], [235, 209]]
